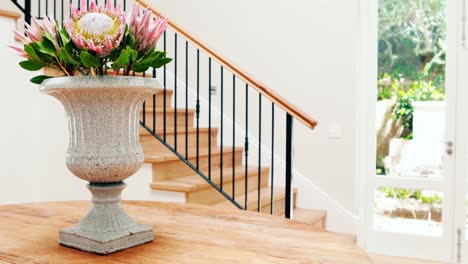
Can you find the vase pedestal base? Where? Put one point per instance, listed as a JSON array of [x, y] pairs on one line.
[[106, 228], [110, 243]]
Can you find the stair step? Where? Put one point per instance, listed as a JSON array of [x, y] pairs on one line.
[[152, 145], [10, 14], [312, 217], [167, 166], [279, 195], [192, 153], [180, 113], [199, 191], [352, 237], [160, 100], [195, 182]]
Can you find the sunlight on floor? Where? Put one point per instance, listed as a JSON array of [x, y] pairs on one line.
[[380, 259]]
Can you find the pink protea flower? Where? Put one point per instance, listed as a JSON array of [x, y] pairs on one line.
[[36, 33], [146, 30], [98, 29]]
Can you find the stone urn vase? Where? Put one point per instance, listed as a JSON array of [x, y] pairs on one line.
[[104, 150]]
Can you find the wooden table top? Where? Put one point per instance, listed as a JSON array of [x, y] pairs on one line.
[[183, 234]]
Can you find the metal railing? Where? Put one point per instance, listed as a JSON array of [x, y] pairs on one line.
[[268, 101]]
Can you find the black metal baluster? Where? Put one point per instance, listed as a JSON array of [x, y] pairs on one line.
[[175, 91], [55, 9], [144, 112], [144, 105], [272, 166], [186, 100], [27, 11], [62, 13], [38, 10], [289, 127], [47, 7], [246, 143], [259, 149], [233, 136], [198, 109], [209, 118], [222, 129], [70, 9], [125, 5], [115, 2], [165, 91], [154, 104], [87, 4]]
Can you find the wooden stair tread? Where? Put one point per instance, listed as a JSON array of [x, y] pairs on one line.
[[10, 14], [252, 204], [171, 131], [192, 153], [196, 182], [352, 237], [168, 110], [309, 216]]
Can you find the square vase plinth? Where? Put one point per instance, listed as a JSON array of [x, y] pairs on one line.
[[106, 228], [105, 243]]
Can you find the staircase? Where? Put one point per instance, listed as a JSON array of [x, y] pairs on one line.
[[170, 173], [189, 159]]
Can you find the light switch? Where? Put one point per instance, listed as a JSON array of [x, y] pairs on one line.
[[335, 130]]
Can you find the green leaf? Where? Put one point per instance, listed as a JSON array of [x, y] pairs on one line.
[[149, 53], [122, 60], [39, 79], [149, 59], [31, 53], [64, 35], [46, 46], [66, 57], [89, 61], [31, 66], [140, 69], [70, 47], [131, 39], [134, 55], [161, 62]]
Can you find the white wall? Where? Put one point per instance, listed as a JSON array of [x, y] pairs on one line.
[[307, 52], [16, 143]]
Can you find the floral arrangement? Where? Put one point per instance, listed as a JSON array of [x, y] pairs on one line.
[[93, 41]]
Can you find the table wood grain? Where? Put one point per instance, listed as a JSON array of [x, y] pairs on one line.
[[183, 234]]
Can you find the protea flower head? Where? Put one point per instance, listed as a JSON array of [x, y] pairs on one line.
[[146, 30], [98, 29], [36, 33]]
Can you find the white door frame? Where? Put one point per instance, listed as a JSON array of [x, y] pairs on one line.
[[460, 252], [365, 108], [366, 94]]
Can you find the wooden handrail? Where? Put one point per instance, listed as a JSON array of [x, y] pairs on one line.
[[261, 88]]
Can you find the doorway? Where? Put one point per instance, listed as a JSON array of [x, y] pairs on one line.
[[415, 198]]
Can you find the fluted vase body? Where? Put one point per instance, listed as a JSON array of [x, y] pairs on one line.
[[103, 124]]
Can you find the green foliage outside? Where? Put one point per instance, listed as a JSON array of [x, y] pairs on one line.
[[411, 60], [404, 93], [426, 198]]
